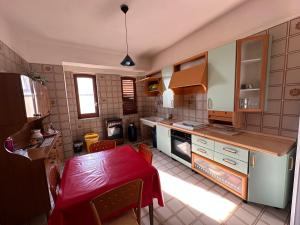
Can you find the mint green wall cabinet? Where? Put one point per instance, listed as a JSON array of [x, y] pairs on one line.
[[270, 178], [163, 138], [221, 78]]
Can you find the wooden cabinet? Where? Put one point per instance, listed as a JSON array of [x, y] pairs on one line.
[[270, 178], [41, 99], [163, 135], [36, 98], [153, 86], [252, 71], [221, 78]]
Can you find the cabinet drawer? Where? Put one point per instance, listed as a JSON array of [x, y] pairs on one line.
[[231, 162], [204, 142], [232, 151], [203, 151]]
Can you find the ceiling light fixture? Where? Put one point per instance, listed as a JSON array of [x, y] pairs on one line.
[[127, 61]]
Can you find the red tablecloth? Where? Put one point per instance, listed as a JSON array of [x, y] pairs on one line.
[[87, 176]]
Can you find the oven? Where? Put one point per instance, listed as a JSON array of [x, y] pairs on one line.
[[181, 149], [114, 129]]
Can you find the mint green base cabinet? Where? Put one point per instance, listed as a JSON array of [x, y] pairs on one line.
[[221, 78], [163, 138], [270, 178]]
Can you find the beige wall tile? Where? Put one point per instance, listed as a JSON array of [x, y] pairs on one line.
[[274, 92], [295, 26], [278, 47], [290, 122], [288, 133], [270, 131], [279, 31], [293, 76], [291, 107], [276, 78], [277, 63], [294, 43], [253, 119], [293, 60], [288, 90], [271, 121], [273, 106]]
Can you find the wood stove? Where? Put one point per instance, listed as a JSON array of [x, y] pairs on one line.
[[114, 130]]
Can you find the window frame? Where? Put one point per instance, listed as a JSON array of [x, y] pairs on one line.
[[125, 111], [87, 115]]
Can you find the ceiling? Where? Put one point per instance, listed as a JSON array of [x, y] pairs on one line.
[[152, 25]]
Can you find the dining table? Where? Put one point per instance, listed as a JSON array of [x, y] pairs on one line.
[[88, 176]]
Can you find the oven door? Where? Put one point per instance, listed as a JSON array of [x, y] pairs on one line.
[[181, 147], [115, 131]]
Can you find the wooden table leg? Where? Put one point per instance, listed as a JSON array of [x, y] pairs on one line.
[[151, 213]]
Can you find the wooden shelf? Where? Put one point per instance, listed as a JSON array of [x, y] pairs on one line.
[[250, 89]]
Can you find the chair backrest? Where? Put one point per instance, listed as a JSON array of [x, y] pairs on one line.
[[102, 145], [146, 153], [115, 201], [54, 181]]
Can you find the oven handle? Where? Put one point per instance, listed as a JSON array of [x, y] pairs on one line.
[[180, 138]]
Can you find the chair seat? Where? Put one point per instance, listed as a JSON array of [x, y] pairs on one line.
[[128, 218]]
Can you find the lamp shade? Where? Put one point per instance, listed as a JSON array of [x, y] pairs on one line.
[[127, 61]]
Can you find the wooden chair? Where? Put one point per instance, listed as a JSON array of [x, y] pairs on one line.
[[54, 181], [113, 202], [102, 145], [145, 152]]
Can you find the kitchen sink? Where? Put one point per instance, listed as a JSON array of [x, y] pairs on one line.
[[151, 121]]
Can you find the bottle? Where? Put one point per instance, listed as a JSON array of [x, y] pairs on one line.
[[36, 137], [9, 144]]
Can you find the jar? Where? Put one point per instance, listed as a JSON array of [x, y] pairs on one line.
[[36, 137]]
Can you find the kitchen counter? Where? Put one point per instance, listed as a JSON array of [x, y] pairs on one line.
[[266, 143]]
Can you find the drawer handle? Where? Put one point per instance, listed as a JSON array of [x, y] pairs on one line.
[[230, 161], [231, 150], [202, 150], [202, 141]]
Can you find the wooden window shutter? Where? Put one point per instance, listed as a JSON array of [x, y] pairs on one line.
[[128, 95]]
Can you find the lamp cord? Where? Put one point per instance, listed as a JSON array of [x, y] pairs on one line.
[[126, 34]]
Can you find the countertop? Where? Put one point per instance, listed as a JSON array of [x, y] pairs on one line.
[[266, 143]]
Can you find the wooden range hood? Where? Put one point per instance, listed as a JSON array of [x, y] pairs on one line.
[[190, 75]]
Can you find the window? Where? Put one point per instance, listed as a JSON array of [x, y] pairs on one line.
[[128, 95], [86, 96]]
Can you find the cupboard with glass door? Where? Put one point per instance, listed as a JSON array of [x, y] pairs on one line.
[[252, 72]]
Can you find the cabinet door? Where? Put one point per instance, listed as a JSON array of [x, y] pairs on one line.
[[163, 139], [270, 178], [221, 78], [252, 72], [42, 99], [28, 88]]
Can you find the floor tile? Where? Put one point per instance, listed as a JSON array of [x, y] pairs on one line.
[[186, 216], [245, 216], [175, 205]]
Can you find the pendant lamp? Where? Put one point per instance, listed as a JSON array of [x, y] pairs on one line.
[[127, 61]]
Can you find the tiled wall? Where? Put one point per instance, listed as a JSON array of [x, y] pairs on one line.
[[282, 115], [59, 114], [110, 102], [11, 62]]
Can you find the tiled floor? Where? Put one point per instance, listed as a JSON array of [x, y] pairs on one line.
[[191, 199]]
